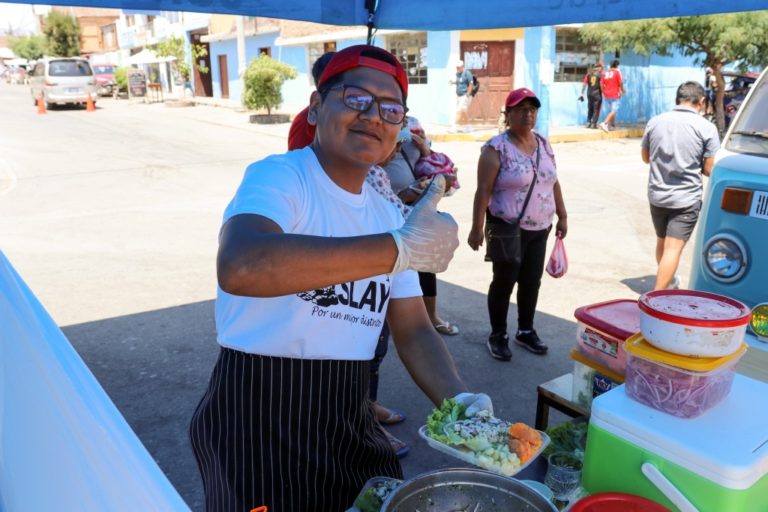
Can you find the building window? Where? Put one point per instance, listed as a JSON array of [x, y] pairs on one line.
[[411, 51], [265, 50], [573, 57], [130, 20]]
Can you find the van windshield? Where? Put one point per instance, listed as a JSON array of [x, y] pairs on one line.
[[69, 68], [750, 132]]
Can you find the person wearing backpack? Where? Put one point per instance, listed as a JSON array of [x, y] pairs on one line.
[[464, 92]]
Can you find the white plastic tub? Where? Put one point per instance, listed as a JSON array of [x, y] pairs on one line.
[[693, 323]]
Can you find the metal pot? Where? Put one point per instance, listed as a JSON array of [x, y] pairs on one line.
[[465, 489]]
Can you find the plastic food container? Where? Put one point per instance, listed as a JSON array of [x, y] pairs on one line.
[[693, 323], [463, 453], [682, 386], [590, 379], [363, 504], [602, 329]]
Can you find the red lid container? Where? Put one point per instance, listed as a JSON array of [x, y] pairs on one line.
[[616, 502], [603, 328]]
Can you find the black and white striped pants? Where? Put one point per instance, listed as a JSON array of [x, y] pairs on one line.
[[296, 435]]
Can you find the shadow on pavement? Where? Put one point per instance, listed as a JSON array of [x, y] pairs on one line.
[[155, 367], [640, 285]]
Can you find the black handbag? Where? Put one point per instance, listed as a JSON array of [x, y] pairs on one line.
[[502, 238]]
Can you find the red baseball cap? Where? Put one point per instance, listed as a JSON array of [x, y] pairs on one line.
[[518, 95], [367, 56], [301, 134]]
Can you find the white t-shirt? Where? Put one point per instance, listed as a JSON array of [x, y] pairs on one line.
[[339, 322]]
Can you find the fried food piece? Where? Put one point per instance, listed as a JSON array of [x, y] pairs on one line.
[[523, 449], [525, 433]]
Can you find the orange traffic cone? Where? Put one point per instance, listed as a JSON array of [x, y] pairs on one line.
[[41, 105], [89, 106]]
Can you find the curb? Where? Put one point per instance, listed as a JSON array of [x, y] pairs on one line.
[[575, 136]]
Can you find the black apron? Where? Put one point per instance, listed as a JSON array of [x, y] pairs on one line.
[[297, 435]]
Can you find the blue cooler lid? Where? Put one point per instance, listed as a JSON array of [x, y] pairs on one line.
[[728, 444]]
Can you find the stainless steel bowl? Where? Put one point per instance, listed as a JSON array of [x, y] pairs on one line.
[[465, 489]]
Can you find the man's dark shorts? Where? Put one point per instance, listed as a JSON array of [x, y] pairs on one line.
[[675, 222]]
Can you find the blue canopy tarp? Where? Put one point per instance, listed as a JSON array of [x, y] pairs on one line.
[[438, 14]]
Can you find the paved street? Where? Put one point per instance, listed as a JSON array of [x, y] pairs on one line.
[[112, 216]]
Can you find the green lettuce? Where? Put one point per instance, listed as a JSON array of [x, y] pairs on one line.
[[450, 410]]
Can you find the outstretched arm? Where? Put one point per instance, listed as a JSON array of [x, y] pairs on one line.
[[257, 259]]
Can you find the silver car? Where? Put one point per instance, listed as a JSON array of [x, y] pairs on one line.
[[62, 81]]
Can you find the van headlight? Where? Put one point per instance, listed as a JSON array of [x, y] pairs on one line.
[[725, 257], [759, 321]]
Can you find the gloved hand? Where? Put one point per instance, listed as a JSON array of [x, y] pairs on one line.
[[475, 403], [428, 239]]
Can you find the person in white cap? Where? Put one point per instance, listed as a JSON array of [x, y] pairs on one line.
[[463, 84]]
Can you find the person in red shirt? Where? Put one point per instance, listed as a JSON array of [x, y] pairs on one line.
[[612, 84]]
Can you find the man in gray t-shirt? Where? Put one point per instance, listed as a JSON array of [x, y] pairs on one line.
[[680, 146]]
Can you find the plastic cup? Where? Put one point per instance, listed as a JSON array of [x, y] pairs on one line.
[[563, 475]]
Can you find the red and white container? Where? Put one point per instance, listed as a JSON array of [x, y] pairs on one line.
[[602, 329], [693, 323]]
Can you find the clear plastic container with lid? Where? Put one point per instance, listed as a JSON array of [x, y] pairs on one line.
[[682, 386], [602, 329]]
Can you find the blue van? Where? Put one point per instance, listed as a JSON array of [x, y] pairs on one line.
[[731, 248]]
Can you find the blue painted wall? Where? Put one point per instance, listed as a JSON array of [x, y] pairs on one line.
[[228, 47], [650, 82]]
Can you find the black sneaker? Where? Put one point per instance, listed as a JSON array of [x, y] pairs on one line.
[[531, 341], [498, 346]]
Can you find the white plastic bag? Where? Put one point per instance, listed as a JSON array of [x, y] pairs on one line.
[[558, 260]]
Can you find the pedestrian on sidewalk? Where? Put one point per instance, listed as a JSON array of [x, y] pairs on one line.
[[517, 183], [612, 85], [463, 83], [680, 146], [594, 94], [311, 262]]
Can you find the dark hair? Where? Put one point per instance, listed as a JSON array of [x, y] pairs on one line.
[[319, 65], [615, 63], [373, 52], [690, 92]]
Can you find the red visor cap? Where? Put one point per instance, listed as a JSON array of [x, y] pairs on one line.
[[515, 97], [352, 57]]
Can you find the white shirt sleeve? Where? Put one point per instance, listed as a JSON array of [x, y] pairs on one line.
[[272, 188]]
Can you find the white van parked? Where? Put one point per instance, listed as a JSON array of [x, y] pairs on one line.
[[62, 80]]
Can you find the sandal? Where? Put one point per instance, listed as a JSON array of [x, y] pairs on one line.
[[400, 448], [447, 328], [392, 417]]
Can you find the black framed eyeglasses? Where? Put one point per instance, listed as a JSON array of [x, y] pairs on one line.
[[360, 100]]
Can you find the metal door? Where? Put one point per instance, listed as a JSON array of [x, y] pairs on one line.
[[223, 76], [493, 63]]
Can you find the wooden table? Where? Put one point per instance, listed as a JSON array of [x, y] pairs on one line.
[[556, 393]]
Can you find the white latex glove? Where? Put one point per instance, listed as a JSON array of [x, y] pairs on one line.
[[475, 403], [428, 239]]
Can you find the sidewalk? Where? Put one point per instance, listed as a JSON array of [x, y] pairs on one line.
[[441, 133], [556, 134]]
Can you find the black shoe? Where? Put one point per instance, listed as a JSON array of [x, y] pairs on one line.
[[531, 341], [498, 346]]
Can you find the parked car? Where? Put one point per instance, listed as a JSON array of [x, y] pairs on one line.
[[62, 81], [105, 78], [731, 247]]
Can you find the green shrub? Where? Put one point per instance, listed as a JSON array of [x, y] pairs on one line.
[[264, 80], [121, 79]]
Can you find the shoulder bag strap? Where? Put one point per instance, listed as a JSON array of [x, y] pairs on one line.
[[410, 165], [533, 183]]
